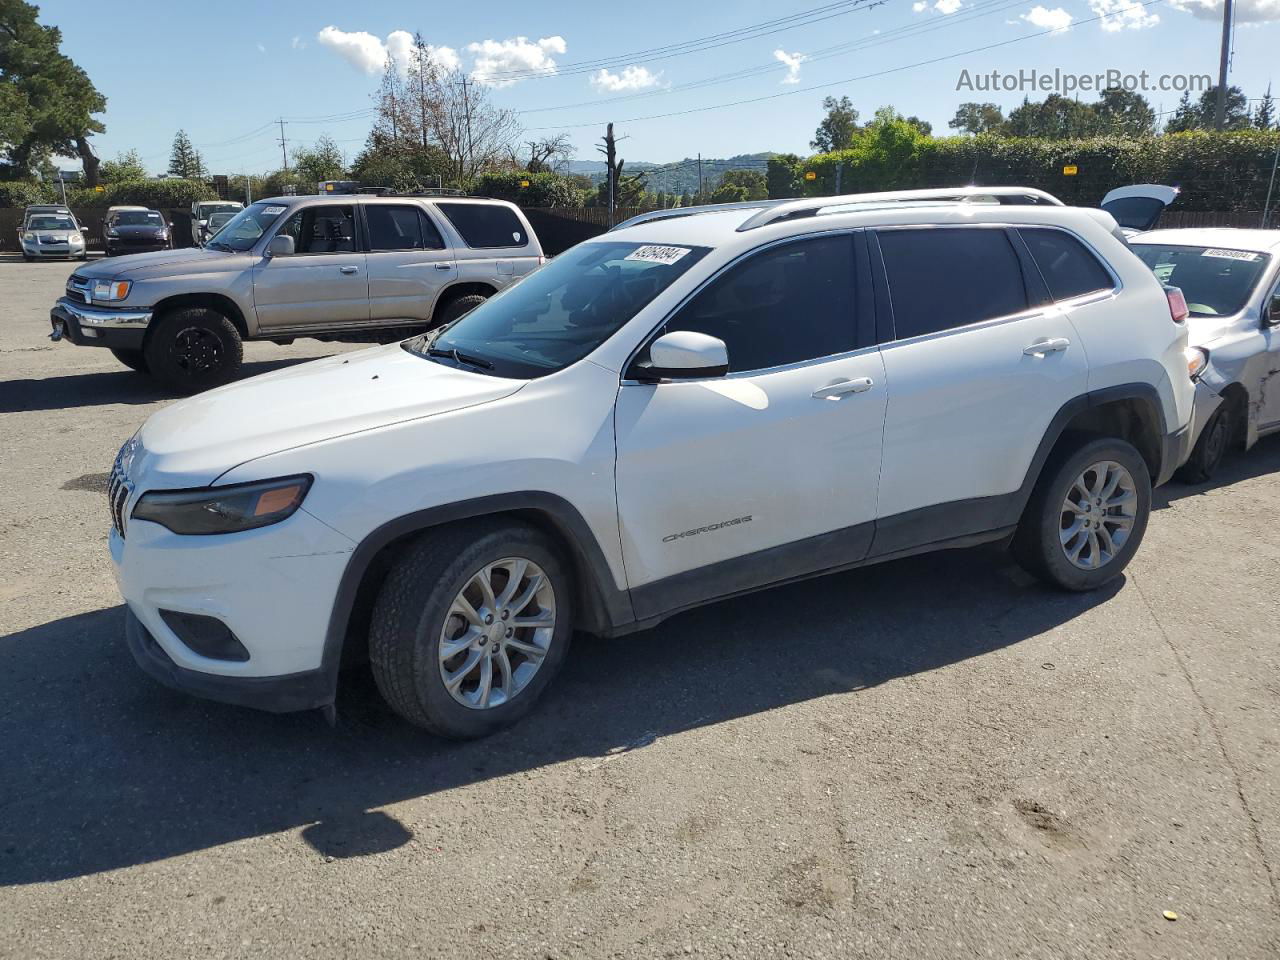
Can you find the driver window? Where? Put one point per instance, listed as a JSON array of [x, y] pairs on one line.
[[322, 229], [788, 304]]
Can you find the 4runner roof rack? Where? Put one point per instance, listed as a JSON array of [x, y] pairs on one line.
[[813, 206]]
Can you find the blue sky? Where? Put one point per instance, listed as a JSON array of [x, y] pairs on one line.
[[224, 72]]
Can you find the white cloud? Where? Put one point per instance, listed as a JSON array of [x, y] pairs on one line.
[[298, 43], [920, 6], [631, 78], [1056, 19], [261, 48], [1246, 11], [793, 61], [947, 7], [1123, 15], [496, 60], [367, 53]]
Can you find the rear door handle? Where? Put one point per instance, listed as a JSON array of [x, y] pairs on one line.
[[834, 391], [1041, 347], [349, 269]]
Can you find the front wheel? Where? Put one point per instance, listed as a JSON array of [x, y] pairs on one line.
[[470, 627], [1211, 447], [460, 307], [193, 349], [1087, 515]]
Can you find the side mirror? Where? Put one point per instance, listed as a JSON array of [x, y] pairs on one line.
[[281, 245], [1273, 310], [684, 355]]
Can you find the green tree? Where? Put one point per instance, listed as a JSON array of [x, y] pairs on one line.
[[126, 166], [1125, 113], [1201, 114], [402, 164], [782, 177], [924, 126], [1185, 116], [751, 182], [977, 118], [184, 159], [1054, 118], [47, 103], [838, 127], [728, 193], [322, 162], [1264, 117]]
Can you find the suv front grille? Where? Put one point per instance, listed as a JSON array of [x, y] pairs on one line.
[[78, 288], [118, 492]]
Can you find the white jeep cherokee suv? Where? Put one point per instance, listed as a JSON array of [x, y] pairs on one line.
[[700, 403]]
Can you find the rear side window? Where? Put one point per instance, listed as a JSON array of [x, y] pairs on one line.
[[788, 304], [486, 224], [1068, 268], [393, 228], [944, 278]]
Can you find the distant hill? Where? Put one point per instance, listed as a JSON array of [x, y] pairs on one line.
[[681, 176]]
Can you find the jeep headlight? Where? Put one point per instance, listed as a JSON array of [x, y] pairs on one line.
[[108, 290], [229, 509]]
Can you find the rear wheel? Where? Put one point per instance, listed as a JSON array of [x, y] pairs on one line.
[[133, 359], [470, 627], [460, 306], [1087, 515], [1210, 448], [193, 349]]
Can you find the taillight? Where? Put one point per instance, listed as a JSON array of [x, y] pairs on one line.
[[1177, 304]]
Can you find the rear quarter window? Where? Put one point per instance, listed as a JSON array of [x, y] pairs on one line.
[[1068, 268], [486, 225]]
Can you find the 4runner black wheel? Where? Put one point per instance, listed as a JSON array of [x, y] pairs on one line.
[[471, 625], [1210, 448], [133, 359], [193, 349], [462, 305], [1087, 515]]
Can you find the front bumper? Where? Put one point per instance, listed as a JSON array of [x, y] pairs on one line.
[[53, 251], [272, 588], [1175, 450], [88, 326], [121, 248]]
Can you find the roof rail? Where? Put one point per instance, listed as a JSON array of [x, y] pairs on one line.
[[812, 206], [671, 213]]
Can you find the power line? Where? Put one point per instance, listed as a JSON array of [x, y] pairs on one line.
[[835, 83]]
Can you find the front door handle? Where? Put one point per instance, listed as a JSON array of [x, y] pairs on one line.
[[1041, 347], [349, 269], [834, 391], [444, 266]]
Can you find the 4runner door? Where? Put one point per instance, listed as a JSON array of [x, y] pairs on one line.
[[408, 261], [769, 472], [324, 282], [977, 367]]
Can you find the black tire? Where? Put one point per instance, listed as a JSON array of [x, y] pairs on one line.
[[1037, 545], [27, 257], [1211, 447], [193, 349], [133, 359], [411, 612], [459, 306]]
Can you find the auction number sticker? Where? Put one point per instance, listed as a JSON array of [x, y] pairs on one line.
[[273, 211], [656, 254], [1232, 255]]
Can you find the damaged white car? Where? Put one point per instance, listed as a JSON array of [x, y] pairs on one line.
[[1231, 281]]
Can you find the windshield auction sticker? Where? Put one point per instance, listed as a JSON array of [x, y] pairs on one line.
[[655, 254], [1232, 255], [273, 211]]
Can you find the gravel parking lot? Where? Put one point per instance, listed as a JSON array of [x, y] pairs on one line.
[[936, 758]]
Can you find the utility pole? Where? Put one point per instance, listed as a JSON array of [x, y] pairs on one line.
[[284, 156], [610, 151], [700, 177], [1220, 114], [466, 107]]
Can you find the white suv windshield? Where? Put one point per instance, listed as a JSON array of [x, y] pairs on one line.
[[561, 312]]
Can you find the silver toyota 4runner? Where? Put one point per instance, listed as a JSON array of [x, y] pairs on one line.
[[371, 268]]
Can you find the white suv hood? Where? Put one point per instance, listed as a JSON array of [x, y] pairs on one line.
[[194, 441]]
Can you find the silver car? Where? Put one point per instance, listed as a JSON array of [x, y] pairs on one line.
[[55, 235], [1231, 281], [354, 267]]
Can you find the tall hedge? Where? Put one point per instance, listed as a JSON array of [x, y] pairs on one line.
[[144, 193], [1227, 171], [544, 189]]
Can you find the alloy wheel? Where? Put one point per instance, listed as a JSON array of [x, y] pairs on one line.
[[1098, 515], [197, 350], [497, 633]]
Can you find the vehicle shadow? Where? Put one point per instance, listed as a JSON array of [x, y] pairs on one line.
[[1237, 466], [99, 389], [104, 769]]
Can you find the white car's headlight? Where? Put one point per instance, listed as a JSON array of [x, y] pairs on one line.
[[76, 238], [108, 290], [29, 237]]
